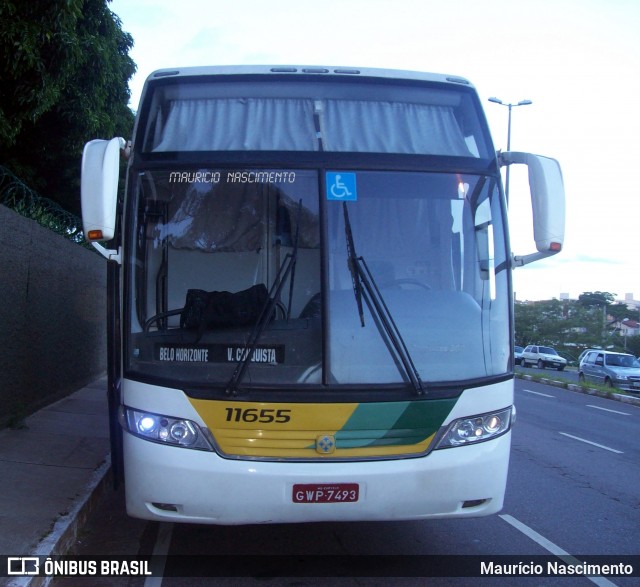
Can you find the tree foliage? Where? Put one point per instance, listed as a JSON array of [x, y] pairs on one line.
[[620, 311], [596, 298], [633, 345], [539, 323], [65, 67]]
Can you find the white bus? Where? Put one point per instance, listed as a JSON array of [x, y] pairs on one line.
[[310, 300]]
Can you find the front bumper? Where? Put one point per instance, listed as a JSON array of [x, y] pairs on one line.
[[201, 487]]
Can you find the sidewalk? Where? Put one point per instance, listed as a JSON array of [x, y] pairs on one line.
[[52, 472]]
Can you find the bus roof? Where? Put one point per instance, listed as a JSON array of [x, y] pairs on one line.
[[306, 70]]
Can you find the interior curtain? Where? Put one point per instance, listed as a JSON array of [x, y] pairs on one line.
[[246, 124], [237, 124], [391, 127]]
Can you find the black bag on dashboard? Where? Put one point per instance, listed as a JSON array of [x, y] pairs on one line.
[[220, 309]]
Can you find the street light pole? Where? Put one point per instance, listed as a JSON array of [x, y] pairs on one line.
[[510, 106]]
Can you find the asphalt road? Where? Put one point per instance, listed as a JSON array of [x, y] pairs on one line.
[[573, 489]]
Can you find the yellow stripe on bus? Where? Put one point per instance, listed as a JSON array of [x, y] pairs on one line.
[[291, 430]]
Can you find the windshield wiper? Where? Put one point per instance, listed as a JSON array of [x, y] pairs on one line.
[[352, 261], [287, 267], [363, 278]]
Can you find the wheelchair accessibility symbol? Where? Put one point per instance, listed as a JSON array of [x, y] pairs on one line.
[[341, 186]]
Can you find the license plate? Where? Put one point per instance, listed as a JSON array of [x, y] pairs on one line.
[[325, 493]]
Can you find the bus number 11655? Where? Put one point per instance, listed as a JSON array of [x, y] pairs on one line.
[[263, 416]]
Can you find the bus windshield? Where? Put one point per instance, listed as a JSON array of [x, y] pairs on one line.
[[210, 247]]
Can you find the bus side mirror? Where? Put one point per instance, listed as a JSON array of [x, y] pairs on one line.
[[99, 188], [547, 203]]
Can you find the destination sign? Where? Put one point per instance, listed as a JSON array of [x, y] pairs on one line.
[[219, 353]]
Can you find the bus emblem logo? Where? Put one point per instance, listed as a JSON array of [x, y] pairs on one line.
[[325, 444]]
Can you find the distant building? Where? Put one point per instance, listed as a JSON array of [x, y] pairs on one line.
[[628, 327], [630, 302]]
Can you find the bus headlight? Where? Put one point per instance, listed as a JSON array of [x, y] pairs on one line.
[[164, 429], [475, 429]]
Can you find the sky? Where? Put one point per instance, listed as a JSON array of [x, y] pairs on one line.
[[578, 61]]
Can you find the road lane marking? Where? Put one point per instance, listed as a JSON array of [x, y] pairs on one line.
[[593, 443], [608, 410], [160, 551], [553, 548], [538, 393]]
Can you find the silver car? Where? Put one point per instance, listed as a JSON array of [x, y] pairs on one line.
[[610, 369]]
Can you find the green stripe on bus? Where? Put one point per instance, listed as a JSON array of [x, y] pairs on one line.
[[393, 423]]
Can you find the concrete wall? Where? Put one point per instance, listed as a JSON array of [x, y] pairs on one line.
[[52, 316]]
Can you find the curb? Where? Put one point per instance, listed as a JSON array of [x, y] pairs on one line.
[[627, 399], [65, 530]]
